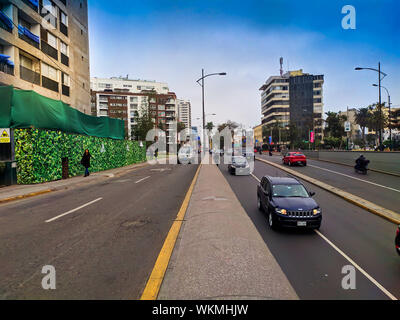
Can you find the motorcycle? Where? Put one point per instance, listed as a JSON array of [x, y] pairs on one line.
[[362, 169]]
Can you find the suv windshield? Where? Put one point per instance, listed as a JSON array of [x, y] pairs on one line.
[[288, 191]]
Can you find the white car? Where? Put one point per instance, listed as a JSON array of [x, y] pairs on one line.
[[239, 166], [186, 155]]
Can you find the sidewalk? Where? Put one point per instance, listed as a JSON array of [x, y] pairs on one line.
[[219, 253], [18, 192]]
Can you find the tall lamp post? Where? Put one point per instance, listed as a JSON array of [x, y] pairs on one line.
[[201, 83], [390, 115], [380, 73]]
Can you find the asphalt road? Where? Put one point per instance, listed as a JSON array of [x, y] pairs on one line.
[[105, 250], [381, 189], [311, 264]]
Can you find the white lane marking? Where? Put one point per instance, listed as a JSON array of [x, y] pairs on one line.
[[376, 283], [142, 179], [391, 296], [255, 177], [342, 174], [74, 210]]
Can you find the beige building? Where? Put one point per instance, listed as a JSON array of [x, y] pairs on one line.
[[44, 46], [185, 114], [295, 97], [258, 138]]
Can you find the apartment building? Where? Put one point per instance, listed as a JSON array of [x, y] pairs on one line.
[[185, 114], [294, 97], [127, 85], [44, 46]]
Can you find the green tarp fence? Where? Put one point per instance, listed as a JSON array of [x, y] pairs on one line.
[[21, 109]]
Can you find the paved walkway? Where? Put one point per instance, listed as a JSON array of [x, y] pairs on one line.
[[23, 191], [219, 253]]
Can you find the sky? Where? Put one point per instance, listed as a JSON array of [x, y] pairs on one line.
[[172, 40]]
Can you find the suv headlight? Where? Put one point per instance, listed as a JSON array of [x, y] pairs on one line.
[[316, 211], [281, 211]]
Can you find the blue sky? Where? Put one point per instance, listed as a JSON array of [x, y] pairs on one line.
[[172, 40]]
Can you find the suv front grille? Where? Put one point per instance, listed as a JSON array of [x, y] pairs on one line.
[[300, 214]]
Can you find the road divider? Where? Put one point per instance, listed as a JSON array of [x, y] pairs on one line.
[[73, 210], [157, 275], [387, 214]]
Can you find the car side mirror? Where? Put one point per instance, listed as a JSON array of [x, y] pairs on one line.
[[312, 194]]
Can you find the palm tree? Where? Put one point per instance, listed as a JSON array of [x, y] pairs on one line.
[[210, 126], [362, 119]]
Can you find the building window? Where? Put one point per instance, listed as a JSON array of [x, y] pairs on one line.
[[52, 40], [64, 18], [49, 72]]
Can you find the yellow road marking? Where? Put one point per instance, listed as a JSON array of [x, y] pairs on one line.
[[157, 275]]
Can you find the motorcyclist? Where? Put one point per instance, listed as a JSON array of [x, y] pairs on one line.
[[361, 163]]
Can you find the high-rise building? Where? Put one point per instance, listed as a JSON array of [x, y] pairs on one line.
[[185, 114], [294, 97], [126, 99], [44, 46]]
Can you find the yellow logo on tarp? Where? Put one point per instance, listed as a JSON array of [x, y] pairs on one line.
[[5, 136]]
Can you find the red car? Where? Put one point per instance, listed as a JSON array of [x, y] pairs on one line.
[[293, 158]]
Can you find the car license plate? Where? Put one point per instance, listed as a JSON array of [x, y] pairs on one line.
[[302, 223], [299, 162]]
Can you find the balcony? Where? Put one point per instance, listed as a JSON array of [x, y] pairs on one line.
[[28, 36], [64, 59], [49, 84], [49, 50], [65, 90], [6, 67], [64, 29], [34, 4], [5, 22], [29, 75]]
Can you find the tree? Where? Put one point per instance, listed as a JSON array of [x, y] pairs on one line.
[[362, 119], [377, 119], [210, 126], [181, 126], [335, 124], [144, 125]]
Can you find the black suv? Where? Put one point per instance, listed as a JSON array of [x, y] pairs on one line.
[[288, 203]]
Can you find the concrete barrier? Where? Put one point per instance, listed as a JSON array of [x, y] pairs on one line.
[[388, 162]]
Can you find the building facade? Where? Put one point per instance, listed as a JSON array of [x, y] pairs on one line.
[[296, 98], [126, 99], [258, 136], [44, 46], [185, 114]]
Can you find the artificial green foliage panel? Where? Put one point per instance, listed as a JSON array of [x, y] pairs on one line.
[[39, 154]]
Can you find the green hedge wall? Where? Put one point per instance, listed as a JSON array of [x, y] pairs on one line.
[[38, 154]]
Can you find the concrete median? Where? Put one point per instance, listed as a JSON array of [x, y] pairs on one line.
[[219, 253]]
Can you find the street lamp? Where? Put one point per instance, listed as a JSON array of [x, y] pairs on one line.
[[380, 95], [390, 114], [201, 83]]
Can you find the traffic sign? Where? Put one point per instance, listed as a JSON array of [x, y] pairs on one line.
[[347, 126], [5, 135]]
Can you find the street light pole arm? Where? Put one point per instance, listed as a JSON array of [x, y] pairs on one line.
[[373, 69], [209, 75]]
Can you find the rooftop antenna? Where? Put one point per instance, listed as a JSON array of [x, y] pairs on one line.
[[281, 62]]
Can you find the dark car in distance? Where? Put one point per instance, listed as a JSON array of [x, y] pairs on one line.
[[397, 241], [287, 203]]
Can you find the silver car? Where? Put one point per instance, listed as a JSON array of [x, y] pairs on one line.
[[239, 166]]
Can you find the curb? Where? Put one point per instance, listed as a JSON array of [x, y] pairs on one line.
[[156, 278], [387, 214], [78, 184], [24, 196]]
